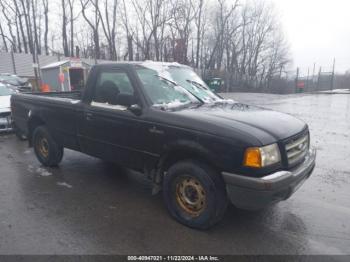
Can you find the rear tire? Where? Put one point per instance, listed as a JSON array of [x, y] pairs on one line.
[[48, 152], [195, 194]]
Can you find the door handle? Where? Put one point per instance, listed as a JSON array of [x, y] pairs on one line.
[[89, 116]]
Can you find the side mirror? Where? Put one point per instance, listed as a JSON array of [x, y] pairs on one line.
[[136, 109]]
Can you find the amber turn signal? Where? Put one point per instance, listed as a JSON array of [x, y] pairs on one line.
[[252, 157]]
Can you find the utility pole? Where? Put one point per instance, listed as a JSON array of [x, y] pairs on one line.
[[319, 78], [281, 68], [332, 83], [297, 80], [307, 79], [13, 62], [36, 67]]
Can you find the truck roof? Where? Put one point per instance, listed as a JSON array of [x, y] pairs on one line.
[[147, 63]]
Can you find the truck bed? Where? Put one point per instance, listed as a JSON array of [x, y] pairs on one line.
[[63, 98], [57, 109]]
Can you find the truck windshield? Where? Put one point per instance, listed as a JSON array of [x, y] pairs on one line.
[[174, 85]]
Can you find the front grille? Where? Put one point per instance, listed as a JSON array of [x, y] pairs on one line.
[[297, 149]]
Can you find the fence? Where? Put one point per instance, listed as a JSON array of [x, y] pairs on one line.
[[287, 83], [22, 65]]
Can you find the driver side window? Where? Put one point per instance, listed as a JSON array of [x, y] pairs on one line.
[[114, 90]]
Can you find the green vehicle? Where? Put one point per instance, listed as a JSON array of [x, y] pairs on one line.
[[215, 84]]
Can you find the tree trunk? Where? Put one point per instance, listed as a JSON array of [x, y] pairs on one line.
[[35, 28], [19, 15], [64, 29], [130, 49], [19, 43], [46, 12], [26, 10], [3, 38], [199, 31], [71, 9]]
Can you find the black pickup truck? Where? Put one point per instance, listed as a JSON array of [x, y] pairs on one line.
[[201, 150]]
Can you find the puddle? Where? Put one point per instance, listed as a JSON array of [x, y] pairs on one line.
[[64, 184]]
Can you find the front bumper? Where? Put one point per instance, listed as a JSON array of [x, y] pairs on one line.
[[257, 193]]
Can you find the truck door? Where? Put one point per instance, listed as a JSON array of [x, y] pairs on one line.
[[108, 130]]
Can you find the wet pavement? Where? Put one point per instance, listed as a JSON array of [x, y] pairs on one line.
[[89, 207]]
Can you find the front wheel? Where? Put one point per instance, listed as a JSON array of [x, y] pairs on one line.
[[195, 194], [48, 152]]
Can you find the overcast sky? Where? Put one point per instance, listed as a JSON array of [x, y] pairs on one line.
[[317, 31]]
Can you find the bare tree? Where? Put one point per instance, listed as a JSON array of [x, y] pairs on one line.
[[3, 36], [36, 29], [19, 15], [129, 36], [109, 22], [141, 9], [71, 18], [198, 22], [223, 15], [93, 23], [25, 5], [240, 41], [183, 13], [7, 15], [152, 17], [64, 28]]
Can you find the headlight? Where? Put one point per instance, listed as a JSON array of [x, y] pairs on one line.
[[262, 156]]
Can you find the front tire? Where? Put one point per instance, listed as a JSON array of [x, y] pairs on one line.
[[195, 194], [48, 152]]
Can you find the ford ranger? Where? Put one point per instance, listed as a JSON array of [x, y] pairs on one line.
[[200, 150]]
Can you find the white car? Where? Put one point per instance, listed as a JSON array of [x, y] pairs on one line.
[[5, 108]]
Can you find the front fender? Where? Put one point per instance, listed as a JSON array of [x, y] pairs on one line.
[[184, 149]]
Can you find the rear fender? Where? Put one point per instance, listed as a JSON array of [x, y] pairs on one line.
[[34, 121]]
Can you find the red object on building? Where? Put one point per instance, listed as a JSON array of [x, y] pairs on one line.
[[61, 78], [301, 84]]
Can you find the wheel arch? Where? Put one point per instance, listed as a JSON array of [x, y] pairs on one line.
[[33, 122], [183, 150]]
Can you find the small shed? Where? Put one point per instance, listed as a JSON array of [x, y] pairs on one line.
[[67, 75]]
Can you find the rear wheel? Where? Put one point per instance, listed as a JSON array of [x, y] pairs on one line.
[[48, 152], [195, 194]]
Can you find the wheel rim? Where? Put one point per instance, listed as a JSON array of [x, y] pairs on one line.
[[190, 195], [43, 147]]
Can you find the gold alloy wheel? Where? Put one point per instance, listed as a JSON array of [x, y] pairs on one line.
[[190, 195], [43, 146]]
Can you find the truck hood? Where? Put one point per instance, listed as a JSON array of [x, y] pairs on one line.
[[5, 103], [265, 125]]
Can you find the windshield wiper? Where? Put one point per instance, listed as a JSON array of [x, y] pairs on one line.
[[167, 80], [197, 84], [176, 84]]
